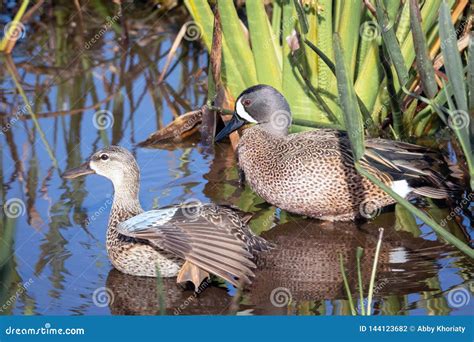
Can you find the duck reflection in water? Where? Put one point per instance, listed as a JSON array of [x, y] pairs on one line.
[[296, 278]]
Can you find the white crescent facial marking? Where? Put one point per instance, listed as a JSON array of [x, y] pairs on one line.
[[401, 187], [243, 113]]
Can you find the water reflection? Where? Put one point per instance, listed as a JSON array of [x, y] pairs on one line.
[[52, 253], [302, 276]]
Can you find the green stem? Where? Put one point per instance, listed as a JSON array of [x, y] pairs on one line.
[[32, 114], [14, 23], [359, 253], [396, 111], [450, 238], [374, 271], [346, 285], [367, 117]]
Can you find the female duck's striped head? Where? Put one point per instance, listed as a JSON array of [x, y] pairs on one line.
[[115, 163], [262, 105]]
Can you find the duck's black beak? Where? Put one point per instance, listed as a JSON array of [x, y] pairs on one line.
[[234, 124], [82, 170]]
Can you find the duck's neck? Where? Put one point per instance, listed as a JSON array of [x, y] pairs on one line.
[[264, 129], [126, 203]]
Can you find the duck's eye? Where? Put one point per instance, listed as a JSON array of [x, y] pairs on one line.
[[247, 102], [104, 156]]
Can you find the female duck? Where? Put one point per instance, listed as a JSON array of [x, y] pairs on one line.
[[312, 173], [188, 241]]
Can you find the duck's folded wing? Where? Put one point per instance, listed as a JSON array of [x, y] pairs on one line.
[[420, 167], [181, 232]]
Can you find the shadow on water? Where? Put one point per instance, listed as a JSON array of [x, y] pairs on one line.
[[97, 77]]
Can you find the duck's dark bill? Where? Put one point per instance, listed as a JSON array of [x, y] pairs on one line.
[[234, 124], [82, 170]]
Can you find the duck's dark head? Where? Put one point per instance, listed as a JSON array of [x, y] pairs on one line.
[[262, 105], [113, 162]]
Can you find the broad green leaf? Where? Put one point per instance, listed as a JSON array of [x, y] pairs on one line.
[[390, 41], [348, 101], [348, 30], [276, 17], [452, 59], [403, 23], [461, 121], [423, 61], [237, 42], [263, 45], [302, 105]]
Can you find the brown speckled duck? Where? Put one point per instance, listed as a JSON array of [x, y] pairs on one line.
[[312, 173], [188, 241]]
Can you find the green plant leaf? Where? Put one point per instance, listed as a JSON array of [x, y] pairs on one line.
[[231, 72], [452, 59], [263, 45], [348, 101], [348, 30], [390, 41], [450, 238], [237, 42], [423, 61], [470, 73], [346, 285], [301, 16]]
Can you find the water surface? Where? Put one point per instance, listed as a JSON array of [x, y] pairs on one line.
[[52, 250]]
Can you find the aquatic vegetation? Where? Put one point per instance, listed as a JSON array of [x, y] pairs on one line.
[[367, 75], [114, 72], [365, 306]]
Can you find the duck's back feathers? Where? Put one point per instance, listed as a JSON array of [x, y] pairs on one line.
[[425, 171], [213, 238]]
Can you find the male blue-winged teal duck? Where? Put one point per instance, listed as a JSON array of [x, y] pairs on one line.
[[188, 241], [312, 173]]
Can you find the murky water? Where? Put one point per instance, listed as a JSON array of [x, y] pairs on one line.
[[52, 250]]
